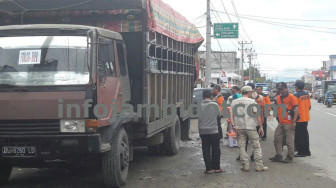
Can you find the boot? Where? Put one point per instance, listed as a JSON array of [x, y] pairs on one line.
[[261, 168], [288, 160], [276, 158], [245, 168]]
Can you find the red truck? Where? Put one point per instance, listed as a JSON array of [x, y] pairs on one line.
[[69, 69]]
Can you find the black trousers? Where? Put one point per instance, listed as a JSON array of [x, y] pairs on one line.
[[211, 151], [302, 138], [265, 127], [220, 129]]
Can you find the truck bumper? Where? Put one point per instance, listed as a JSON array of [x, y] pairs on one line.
[[50, 147]]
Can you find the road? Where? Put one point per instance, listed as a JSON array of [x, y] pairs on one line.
[[186, 168], [321, 129]]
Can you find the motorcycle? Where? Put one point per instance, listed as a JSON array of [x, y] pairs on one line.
[[330, 102]]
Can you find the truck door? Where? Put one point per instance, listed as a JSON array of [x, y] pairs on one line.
[[109, 84], [125, 93]]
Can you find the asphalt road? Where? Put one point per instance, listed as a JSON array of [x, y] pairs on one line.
[[322, 129], [186, 168]]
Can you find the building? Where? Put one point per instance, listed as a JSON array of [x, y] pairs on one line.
[[309, 78], [326, 66], [332, 67], [222, 61], [320, 75]]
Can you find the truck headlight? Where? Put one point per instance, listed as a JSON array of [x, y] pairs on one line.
[[72, 126]]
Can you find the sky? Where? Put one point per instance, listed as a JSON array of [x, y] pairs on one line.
[[273, 39]]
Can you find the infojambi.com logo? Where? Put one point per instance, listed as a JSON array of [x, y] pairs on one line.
[[168, 110]]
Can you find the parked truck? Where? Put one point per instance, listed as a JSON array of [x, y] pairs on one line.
[[328, 86], [79, 82]]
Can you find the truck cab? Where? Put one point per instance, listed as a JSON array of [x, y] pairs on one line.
[[51, 79]]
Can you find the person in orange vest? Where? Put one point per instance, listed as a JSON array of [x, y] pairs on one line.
[[266, 100], [286, 124], [301, 131], [218, 98]]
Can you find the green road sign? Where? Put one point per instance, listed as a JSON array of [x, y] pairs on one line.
[[226, 30]]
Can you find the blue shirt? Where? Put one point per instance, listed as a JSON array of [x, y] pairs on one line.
[[236, 96]]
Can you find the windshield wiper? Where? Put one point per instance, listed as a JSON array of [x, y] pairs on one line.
[[8, 85], [15, 87]]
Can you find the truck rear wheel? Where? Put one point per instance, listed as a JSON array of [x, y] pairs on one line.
[[115, 162], [171, 143], [5, 172], [185, 127]]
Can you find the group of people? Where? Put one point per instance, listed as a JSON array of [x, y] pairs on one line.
[[247, 118]]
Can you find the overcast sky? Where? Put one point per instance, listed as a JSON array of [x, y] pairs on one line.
[[272, 39]]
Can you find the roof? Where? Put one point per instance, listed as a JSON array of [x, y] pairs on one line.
[[103, 32]]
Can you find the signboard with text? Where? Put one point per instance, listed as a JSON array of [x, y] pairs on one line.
[[226, 30]]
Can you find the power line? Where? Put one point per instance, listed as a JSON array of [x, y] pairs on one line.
[[289, 19], [293, 26], [236, 12], [228, 17], [223, 52], [201, 16], [288, 26], [226, 10], [289, 55], [298, 25], [218, 18]]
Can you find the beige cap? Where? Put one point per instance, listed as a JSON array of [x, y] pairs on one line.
[[246, 89]]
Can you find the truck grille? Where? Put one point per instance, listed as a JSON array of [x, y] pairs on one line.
[[29, 127]]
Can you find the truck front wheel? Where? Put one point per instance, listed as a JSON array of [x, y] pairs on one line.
[[5, 171], [116, 161], [171, 143]]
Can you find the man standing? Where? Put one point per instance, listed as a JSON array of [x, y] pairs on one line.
[[286, 124], [235, 92], [218, 98], [208, 130], [267, 101], [245, 124], [301, 130]]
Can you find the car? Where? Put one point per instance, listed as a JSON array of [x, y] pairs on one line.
[[198, 93]]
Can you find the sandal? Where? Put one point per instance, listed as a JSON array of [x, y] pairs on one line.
[[207, 172], [219, 171]]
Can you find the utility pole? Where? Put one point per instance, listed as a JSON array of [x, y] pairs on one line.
[[208, 47], [254, 71], [242, 60], [250, 55]]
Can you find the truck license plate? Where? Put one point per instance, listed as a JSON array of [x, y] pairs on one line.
[[19, 151]]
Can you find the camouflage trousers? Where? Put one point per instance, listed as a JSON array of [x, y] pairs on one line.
[[252, 135]]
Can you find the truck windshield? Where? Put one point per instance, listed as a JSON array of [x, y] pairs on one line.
[[43, 60]]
